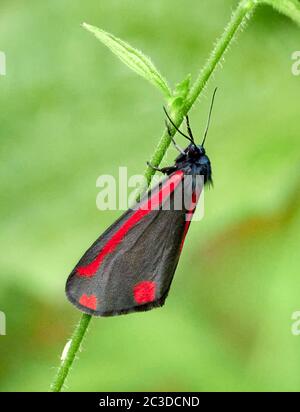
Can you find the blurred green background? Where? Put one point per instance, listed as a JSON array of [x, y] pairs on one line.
[[71, 111]]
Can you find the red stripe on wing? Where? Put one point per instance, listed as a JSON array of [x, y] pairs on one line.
[[189, 215], [151, 204]]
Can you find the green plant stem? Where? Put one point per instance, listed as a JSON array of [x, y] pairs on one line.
[[237, 19], [66, 363]]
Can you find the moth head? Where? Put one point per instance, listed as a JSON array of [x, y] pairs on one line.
[[194, 151]]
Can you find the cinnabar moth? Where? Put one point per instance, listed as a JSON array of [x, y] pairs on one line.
[[130, 267]]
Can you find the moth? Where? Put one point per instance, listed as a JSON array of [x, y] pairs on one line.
[[130, 267]]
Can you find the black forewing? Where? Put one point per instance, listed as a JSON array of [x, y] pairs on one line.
[[147, 255]]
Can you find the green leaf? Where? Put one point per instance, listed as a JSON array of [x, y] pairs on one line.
[[133, 58], [180, 94], [290, 8]]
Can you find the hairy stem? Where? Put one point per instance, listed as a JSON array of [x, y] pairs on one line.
[[67, 362], [238, 18]]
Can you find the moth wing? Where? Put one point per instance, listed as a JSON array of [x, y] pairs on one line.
[[131, 266]]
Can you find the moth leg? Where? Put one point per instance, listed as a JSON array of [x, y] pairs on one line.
[[173, 140], [166, 170]]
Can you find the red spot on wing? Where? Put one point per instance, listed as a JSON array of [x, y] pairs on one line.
[[88, 301], [144, 292], [150, 204]]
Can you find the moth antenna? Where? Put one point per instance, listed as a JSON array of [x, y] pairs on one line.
[[209, 116], [174, 125], [173, 140], [189, 128]]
